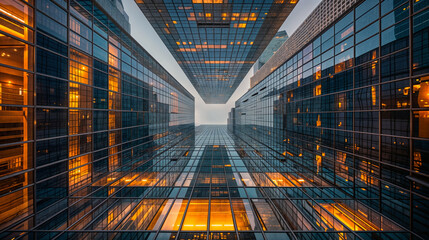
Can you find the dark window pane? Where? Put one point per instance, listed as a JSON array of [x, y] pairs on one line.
[[395, 123], [395, 66], [395, 95], [51, 92], [51, 122], [51, 64]]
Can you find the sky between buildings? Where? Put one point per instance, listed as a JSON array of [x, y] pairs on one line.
[[143, 32]]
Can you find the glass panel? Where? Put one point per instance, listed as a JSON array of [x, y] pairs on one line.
[[266, 215], [174, 218], [367, 18], [395, 95], [16, 54], [220, 215], [17, 11], [421, 92], [196, 215], [244, 217], [160, 215]]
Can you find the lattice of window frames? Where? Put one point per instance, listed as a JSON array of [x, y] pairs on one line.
[[114, 101], [114, 159], [80, 96], [80, 121], [80, 171], [80, 144], [114, 120], [80, 68], [114, 137], [113, 56]]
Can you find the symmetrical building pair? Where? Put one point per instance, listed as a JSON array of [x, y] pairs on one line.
[[97, 139]]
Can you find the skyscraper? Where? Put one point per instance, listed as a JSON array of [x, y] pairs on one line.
[[97, 140], [344, 102], [83, 110], [216, 42]]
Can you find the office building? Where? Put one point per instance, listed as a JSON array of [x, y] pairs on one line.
[[97, 139], [83, 110], [345, 105], [216, 42]]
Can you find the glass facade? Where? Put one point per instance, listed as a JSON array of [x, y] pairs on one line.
[[97, 139], [348, 113], [85, 114], [216, 42]]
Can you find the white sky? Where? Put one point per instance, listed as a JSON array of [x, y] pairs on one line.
[[143, 32]]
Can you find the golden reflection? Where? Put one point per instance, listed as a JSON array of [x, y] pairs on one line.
[[220, 215], [352, 219], [279, 180], [247, 180], [244, 217], [160, 215], [172, 222], [318, 90], [80, 171], [196, 215]]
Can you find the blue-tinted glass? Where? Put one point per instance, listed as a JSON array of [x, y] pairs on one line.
[[100, 53], [345, 33], [100, 140], [421, 43], [395, 66], [328, 44], [51, 27], [389, 5], [80, 42], [51, 44], [52, 10], [395, 38], [367, 50], [80, 28], [344, 22], [100, 41], [328, 34], [365, 7], [100, 120], [367, 18], [367, 32], [395, 16], [100, 29], [344, 45], [421, 4]]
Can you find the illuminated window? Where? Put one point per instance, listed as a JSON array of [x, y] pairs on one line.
[[220, 216], [318, 90], [174, 218], [196, 215], [80, 173]]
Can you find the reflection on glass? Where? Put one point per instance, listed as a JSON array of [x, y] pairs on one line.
[[247, 180], [196, 215], [220, 215], [175, 215], [160, 215], [244, 217], [266, 215]]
